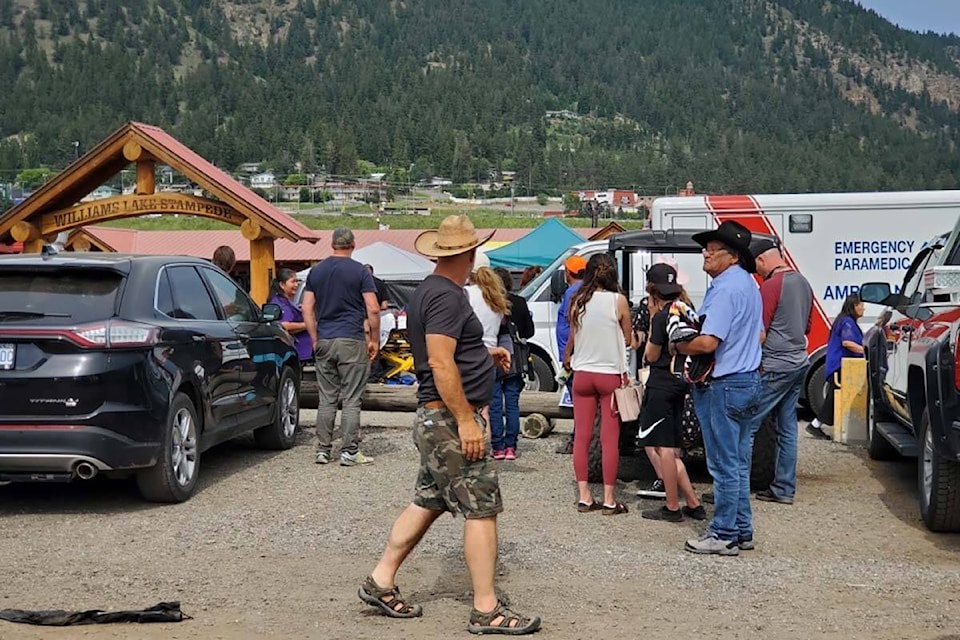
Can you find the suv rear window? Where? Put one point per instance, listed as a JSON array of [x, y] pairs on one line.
[[58, 297]]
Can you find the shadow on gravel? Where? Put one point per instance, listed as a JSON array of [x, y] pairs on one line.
[[105, 495], [900, 495]]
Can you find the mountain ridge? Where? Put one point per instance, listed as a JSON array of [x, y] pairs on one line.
[[753, 95]]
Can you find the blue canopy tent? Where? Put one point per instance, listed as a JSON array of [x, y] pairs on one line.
[[539, 248]]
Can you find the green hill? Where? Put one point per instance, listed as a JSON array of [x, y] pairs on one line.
[[742, 95]]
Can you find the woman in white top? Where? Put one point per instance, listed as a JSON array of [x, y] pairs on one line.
[[599, 335], [489, 301]]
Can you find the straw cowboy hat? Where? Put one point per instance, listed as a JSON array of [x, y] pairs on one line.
[[454, 236]]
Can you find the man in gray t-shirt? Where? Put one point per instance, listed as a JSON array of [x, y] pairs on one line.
[[787, 311]]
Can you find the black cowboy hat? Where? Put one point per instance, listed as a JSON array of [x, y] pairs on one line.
[[735, 236]]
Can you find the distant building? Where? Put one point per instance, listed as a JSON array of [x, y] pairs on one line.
[[563, 114], [265, 180], [101, 192], [249, 167]]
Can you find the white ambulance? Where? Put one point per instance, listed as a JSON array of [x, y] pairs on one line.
[[836, 240]]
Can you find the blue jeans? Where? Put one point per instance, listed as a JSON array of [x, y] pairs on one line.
[[505, 403], [726, 408], [780, 392]]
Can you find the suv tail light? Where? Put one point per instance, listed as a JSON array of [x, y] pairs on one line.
[[113, 333], [106, 334]]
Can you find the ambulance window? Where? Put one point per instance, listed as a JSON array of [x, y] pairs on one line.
[[801, 223]]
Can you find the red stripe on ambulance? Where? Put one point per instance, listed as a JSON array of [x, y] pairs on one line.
[[746, 210]]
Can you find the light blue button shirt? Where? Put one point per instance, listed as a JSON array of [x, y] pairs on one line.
[[734, 315]]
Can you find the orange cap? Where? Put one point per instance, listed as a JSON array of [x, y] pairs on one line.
[[575, 264]]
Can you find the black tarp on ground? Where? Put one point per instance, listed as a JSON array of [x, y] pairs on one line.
[[162, 612]]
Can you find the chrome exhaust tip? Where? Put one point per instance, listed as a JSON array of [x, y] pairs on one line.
[[85, 470]]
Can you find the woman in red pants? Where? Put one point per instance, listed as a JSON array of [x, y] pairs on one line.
[[599, 335]]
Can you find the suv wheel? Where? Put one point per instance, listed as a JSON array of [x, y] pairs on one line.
[[939, 483], [174, 477], [282, 432]]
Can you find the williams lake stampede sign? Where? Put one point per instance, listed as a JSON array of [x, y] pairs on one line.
[[128, 206]]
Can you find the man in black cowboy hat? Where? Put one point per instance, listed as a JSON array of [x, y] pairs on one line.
[[731, 330], [457, 473]]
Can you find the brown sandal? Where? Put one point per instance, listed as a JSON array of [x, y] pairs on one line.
[[615, 510], [387, 600], [583, 507], [511, 623]]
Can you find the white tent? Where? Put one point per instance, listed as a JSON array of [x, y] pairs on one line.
[[391, 263]]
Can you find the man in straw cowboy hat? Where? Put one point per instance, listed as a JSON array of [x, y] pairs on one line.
[[457, 473]]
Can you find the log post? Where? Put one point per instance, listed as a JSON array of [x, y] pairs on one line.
[[24, 231], [389, 397], [80, 243], [132, 151], [146, 177], [262, 267]]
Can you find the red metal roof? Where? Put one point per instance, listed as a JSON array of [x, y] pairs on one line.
[[203, 243]]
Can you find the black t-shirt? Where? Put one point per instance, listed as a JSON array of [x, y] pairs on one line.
[[440, 307], [381, 290], [662, 372]]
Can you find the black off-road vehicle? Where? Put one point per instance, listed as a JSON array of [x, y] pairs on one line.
[[634, 252]]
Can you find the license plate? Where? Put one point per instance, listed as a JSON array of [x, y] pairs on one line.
[[8, 354]]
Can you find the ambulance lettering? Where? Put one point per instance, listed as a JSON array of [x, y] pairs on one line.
[[872, 255], [841, 291]]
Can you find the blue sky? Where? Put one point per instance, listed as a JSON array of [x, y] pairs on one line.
[[942, 16]]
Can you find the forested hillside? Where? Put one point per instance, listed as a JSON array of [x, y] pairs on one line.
[[737, 95]]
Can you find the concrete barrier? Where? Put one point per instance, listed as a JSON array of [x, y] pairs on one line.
[[850, 406]]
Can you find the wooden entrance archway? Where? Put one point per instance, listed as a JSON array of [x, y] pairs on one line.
[[56, 207]]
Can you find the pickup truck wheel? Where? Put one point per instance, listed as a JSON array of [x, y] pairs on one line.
[[281, 433], [542, 379], [816, 381], [939, 483], [763, 466], [174, 477], [877, 446]]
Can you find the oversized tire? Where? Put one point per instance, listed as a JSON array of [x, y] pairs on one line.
[[763, 465], [816, 381], [878, 448], [543, 378], [281, 433], [939, 483], [174, 477]]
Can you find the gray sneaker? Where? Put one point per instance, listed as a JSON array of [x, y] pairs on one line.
[[323, 457], [710, 544], [354, 459], [746, 544]]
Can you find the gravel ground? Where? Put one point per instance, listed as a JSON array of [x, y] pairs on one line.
[[273, 545]]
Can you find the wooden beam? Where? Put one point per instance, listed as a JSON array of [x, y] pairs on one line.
[[80, 243], [399, 397], [132, 151], [33, 246], [262, 268], [250, 229], [146, 177], [25, 232], [130, 206]]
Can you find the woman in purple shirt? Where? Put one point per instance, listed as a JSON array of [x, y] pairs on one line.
[[284, 290], [846, 341]]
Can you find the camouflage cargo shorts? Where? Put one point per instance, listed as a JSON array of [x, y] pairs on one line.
[[447, 481]]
